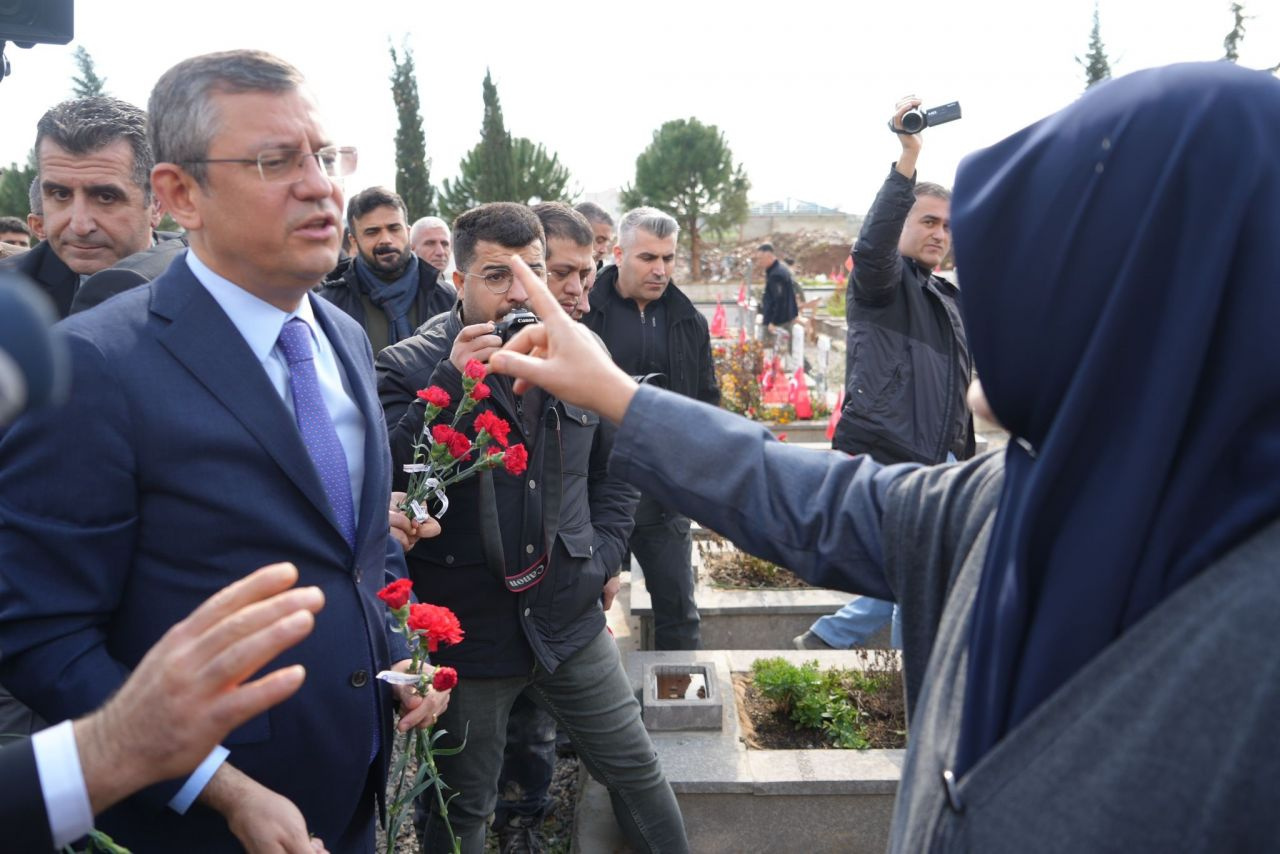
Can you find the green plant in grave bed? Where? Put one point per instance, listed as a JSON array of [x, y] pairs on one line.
[[823, 700]]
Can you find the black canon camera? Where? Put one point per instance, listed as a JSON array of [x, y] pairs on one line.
[[916, 120], [507, 327]]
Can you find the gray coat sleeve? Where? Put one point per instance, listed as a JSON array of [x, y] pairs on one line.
[[816, 512]]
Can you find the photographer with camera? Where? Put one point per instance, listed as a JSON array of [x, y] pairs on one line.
[[907, 364], [523, 556]]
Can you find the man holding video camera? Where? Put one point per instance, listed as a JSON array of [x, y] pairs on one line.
[[524, 555], [907, 364]]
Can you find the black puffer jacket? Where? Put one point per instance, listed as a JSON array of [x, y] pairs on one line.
[[506, 632], [692, 372], [907, 366]]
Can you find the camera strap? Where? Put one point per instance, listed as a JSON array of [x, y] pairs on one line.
[[901, 132], [552, 497]]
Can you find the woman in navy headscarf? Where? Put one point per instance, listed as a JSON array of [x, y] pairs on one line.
[[1088, 615]]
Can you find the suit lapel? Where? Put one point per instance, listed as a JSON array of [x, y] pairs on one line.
[[58, 279], [359, 374], [205, 341]]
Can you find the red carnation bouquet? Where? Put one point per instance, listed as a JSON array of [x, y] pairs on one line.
[[425, 627], [445, 455]]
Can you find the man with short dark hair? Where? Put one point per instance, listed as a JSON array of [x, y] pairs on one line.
[[907, 365], [94, 164], [779, 303], [15, 232], [651, 327], [384, 286], [233, 423], [523, 558]]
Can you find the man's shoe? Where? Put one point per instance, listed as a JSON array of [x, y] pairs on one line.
[[809, 640]]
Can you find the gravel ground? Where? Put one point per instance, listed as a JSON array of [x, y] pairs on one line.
[[557, 830]]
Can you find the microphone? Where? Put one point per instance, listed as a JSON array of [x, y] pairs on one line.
[[33, 359]]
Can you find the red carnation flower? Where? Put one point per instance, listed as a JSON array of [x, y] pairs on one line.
[[474, 369], [499, 429], [459, 445], [442, 433], [396, 594], [435, 396], [444, 678], [516, 459], [480, 392], [439, 624]]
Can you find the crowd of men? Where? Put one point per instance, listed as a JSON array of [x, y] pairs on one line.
[[245, 391]]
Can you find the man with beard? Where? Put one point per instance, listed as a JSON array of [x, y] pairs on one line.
[[385, 287], [524, 553]]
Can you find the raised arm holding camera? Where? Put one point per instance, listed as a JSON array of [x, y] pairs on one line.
[[906, 360]]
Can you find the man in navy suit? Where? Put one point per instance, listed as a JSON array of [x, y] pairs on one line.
[[219, 418]]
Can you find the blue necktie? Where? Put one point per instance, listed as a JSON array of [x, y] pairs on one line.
[[318, 432]]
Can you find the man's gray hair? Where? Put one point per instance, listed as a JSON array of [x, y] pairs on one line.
[[423, 224], [650, 221], [595, 214], [35, 199], [87, 125], [937, 191], [183, 118]]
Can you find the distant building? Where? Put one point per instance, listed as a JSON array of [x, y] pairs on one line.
[[792, 215]]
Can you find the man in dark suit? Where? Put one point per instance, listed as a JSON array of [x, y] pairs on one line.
[[220, 417], [94, 163], [139, 268]]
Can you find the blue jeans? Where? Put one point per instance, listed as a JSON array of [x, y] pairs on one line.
[[590, 698], [857, 621], [663, 547]]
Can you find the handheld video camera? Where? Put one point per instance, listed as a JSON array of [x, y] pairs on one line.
[[507, 327], [916, 120]]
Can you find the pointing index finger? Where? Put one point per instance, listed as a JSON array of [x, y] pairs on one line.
[[544, 304]]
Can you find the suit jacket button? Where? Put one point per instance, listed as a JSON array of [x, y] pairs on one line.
[[448, 559], [359, 679]]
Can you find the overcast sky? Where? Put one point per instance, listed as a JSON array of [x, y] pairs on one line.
[[801, 89]]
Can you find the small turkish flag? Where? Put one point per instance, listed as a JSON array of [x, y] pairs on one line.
[[719, 324]]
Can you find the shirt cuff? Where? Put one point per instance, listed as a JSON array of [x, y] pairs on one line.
[[66, 799], [195, 784]]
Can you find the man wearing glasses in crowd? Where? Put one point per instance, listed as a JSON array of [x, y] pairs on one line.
[[221, 417], [561, 528]]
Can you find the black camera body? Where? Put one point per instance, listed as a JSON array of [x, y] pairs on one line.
[[515, 320], [914, 121]]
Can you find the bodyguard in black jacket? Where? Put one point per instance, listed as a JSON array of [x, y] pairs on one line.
[[907, 364]]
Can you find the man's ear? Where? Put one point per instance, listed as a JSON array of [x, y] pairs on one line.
[[617, 254], [178, 193], [459, 280]]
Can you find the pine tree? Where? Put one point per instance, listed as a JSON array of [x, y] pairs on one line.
[[1231, 44], [88, 83], [15, 185], [1096, 65], [501, 168], [413, 168], [496, 180], [688, 171]]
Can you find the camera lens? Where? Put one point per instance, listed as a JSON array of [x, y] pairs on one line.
[[913, 121]]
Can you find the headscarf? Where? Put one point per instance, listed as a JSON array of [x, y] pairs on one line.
[[1121, 270]]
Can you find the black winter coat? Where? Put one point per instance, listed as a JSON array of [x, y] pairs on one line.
[[907, 365], [506, 632], [692, 371], [341, 288]]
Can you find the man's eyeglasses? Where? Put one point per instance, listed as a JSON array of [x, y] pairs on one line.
[[287, 165], [500, 281]]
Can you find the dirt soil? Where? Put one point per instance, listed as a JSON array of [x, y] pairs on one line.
[[727, 567], [764, 727]]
